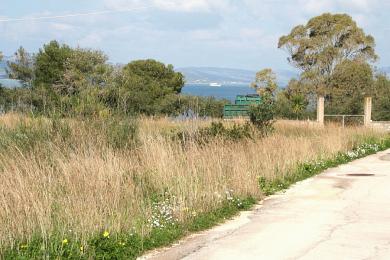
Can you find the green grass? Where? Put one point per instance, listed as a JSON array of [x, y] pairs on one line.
[[124, 245]]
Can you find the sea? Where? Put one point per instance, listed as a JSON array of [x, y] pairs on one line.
[[226, 91]]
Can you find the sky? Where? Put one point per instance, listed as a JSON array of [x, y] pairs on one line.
[[209, 33]]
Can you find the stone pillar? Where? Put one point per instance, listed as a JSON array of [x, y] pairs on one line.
[[320, 110], [367, 111]]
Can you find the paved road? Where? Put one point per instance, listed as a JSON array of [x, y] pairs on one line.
[[331, 216]]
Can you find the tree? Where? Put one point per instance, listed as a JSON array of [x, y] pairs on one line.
[[154, 71], [145, 86], [323, 43], [1, 56], [350, 83], [381, 106], [262, 115], [265, 82], [292, 102], [50, 63], [84, 68], [23, 66]]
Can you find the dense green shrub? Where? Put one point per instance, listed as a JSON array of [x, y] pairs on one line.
[[216, 131], [262, 115], [122, 134]]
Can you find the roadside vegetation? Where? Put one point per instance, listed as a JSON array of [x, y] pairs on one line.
[[115, 188], [96, 163]]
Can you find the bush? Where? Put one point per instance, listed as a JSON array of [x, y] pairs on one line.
[[122, 134], [218, 130], [262, 115]]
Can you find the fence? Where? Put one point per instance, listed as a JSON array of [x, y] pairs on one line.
[[345, 119]]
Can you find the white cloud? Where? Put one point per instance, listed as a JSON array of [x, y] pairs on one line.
[[358, 5], [91, 40], [316, 6], [62, 27], [170, 5], [204, 35]]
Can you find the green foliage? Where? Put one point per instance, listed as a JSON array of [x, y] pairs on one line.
[[324, 42], [293, 101], [153, 71], [50, 63], [203, 106], [262, 115], [122, 134], [381, 106], [349, 84], [145, 87], [27, 136], [105, 245], [218, 130], [228, 208], [23, 66], [118, 133], [265, 82], [79, 82], [84, 69]]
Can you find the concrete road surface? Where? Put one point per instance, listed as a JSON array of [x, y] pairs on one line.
[[343, 213]]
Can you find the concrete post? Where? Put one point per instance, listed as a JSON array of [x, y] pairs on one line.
[[367, 111], [320, 110]]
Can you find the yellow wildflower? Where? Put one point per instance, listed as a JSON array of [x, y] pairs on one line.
[[81, 248], [106, 234], [24, 246], [65, 241]]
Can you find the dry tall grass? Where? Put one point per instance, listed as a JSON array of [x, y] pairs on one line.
[[80, 185]]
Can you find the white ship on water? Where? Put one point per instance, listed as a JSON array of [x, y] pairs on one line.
[[214, 84]]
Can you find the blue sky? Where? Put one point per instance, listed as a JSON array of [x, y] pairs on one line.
[[221, 33]]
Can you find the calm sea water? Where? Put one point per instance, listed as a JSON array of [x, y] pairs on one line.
[[224, 92]]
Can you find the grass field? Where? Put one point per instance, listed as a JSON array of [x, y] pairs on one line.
[[73, 183]]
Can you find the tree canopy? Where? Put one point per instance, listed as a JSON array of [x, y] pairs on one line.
[[22, 68], [350, 82], [323, 43], [78, 81], [84, 68], [50, 63], [153, 71], [265, 82], [381, 108], [146, 86]]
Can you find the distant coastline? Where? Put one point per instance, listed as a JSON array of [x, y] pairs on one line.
[[230, 83], [226, 91]]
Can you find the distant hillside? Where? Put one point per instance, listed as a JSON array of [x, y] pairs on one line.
[[227, 75]]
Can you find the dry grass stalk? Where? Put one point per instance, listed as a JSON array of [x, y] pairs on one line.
[[81, 185]]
